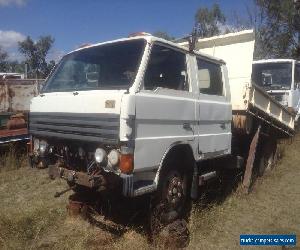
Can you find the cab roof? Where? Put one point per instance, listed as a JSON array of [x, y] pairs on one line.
[[150, 39]]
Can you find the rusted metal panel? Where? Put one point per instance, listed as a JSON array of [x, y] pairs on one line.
[[76, 177], [15, 94], [242, 123], [4, 106], [77, 208], [15, 97], [16, 122], [7, 135]]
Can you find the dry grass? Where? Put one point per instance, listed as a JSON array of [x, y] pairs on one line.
[[12, 157], [30, 218], [273, 207]]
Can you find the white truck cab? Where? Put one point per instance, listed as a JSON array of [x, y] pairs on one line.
[[281, 79], [122, 106]]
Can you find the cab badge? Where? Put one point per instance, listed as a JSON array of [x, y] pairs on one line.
[[110, 104]]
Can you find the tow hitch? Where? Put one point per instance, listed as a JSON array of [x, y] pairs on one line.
[[58, 194], [98, 180], [80, 178]]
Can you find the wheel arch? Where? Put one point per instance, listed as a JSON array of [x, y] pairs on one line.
[[173, 151]]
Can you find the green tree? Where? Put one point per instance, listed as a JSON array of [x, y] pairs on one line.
[[164, 35], [50, 66], [278, 32], [208, 21], [15, 66], [3, 60], [35, 54]]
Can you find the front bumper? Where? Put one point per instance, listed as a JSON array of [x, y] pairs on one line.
[[76, 177], [99, 182]]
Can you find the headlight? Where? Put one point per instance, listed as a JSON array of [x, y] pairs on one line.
[[100, 155], [36, 144], [43, 146], [113, 157]]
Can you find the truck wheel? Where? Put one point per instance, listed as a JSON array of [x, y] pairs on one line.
[[268, 157], [172, 200]]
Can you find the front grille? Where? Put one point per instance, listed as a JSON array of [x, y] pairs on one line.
[[100, 128]]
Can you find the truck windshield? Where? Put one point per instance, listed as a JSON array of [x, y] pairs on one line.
[[108, 66], [272, 76]]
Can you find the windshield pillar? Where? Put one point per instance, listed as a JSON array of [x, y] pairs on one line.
[[141, 69]]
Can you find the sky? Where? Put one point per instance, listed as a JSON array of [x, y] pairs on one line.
[[76, 22]]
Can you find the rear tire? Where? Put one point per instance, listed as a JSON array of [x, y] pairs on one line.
[[268, 158]]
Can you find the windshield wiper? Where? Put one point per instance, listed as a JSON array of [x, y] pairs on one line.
[[285, 87], [275, 86]]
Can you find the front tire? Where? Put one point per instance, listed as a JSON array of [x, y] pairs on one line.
[[172, 202]]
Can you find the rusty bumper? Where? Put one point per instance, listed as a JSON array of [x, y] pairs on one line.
[[79, 178], [99, 182]]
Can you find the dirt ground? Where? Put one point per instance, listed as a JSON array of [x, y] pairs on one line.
[[31, 218]]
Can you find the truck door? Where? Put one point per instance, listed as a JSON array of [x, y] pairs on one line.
[[165, 106], [214, 131]]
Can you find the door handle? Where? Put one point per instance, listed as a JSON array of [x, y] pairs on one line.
[[187, 126], [75, 93]]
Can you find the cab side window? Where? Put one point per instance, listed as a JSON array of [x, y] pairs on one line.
[[166, 69], [209, 77]]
